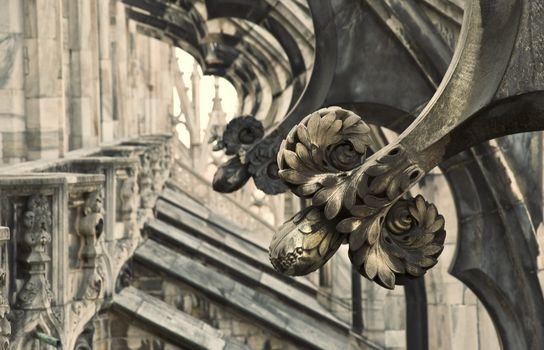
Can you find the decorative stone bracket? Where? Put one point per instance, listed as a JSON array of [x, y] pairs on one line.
[[90, 225], [252, 156], [482, 96], [154, 170], [354, 201]]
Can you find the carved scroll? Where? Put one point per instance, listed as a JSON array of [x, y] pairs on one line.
[[353, 201]]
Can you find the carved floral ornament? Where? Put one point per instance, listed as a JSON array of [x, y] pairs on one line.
[[252, 156], [361, 203]]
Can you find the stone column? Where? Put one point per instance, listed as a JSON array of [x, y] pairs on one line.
[[164, 95], [121, 111], [12, 93], [84, 89], [104, 46], [43, 81], [196, 141]]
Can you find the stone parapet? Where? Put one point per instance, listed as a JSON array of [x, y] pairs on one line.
[[74, 222]]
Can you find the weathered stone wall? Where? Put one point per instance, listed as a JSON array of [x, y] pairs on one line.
[[457, 319], [12, 94], [116, 331], [77, 74], [228, 321]]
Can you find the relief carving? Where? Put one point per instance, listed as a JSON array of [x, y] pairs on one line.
[[90, 227], [145, 184], [168, 159], [5, 324], [36, 291], [361, 203], [156, 155], [129, 200], [32, 309]]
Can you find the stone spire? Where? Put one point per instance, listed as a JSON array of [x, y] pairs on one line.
[[195, 82], [217, 113], [217, 107]]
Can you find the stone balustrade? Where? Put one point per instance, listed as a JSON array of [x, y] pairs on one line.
[[223, 205], [74, 223]]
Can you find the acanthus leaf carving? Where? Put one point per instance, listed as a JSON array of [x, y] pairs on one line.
[[240, 133], [253, 156], [304, 243], [263, 166], [390, 238]]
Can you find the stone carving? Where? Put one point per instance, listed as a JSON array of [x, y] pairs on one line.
[[128, 194], [85, 339], [263, 165], [123, 251], [238, 138], [5, 324], [239, 133], [93, 282], [145, 184], [33, 302], [156, 158], [354, 201], [167, 160], [124, 277], [90, 227], [36, 291]]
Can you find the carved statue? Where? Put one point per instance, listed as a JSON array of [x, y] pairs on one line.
[[32, 309], [36, 292], [353, 201], [128, 194], [145, 184], [91, 226]]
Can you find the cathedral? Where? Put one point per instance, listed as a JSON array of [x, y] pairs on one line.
[[271, 175]]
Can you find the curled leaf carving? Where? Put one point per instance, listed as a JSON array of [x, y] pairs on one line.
[[253, 156], [390, 238], [304, 243], [402, 244], [325, 144], [240, 132]]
